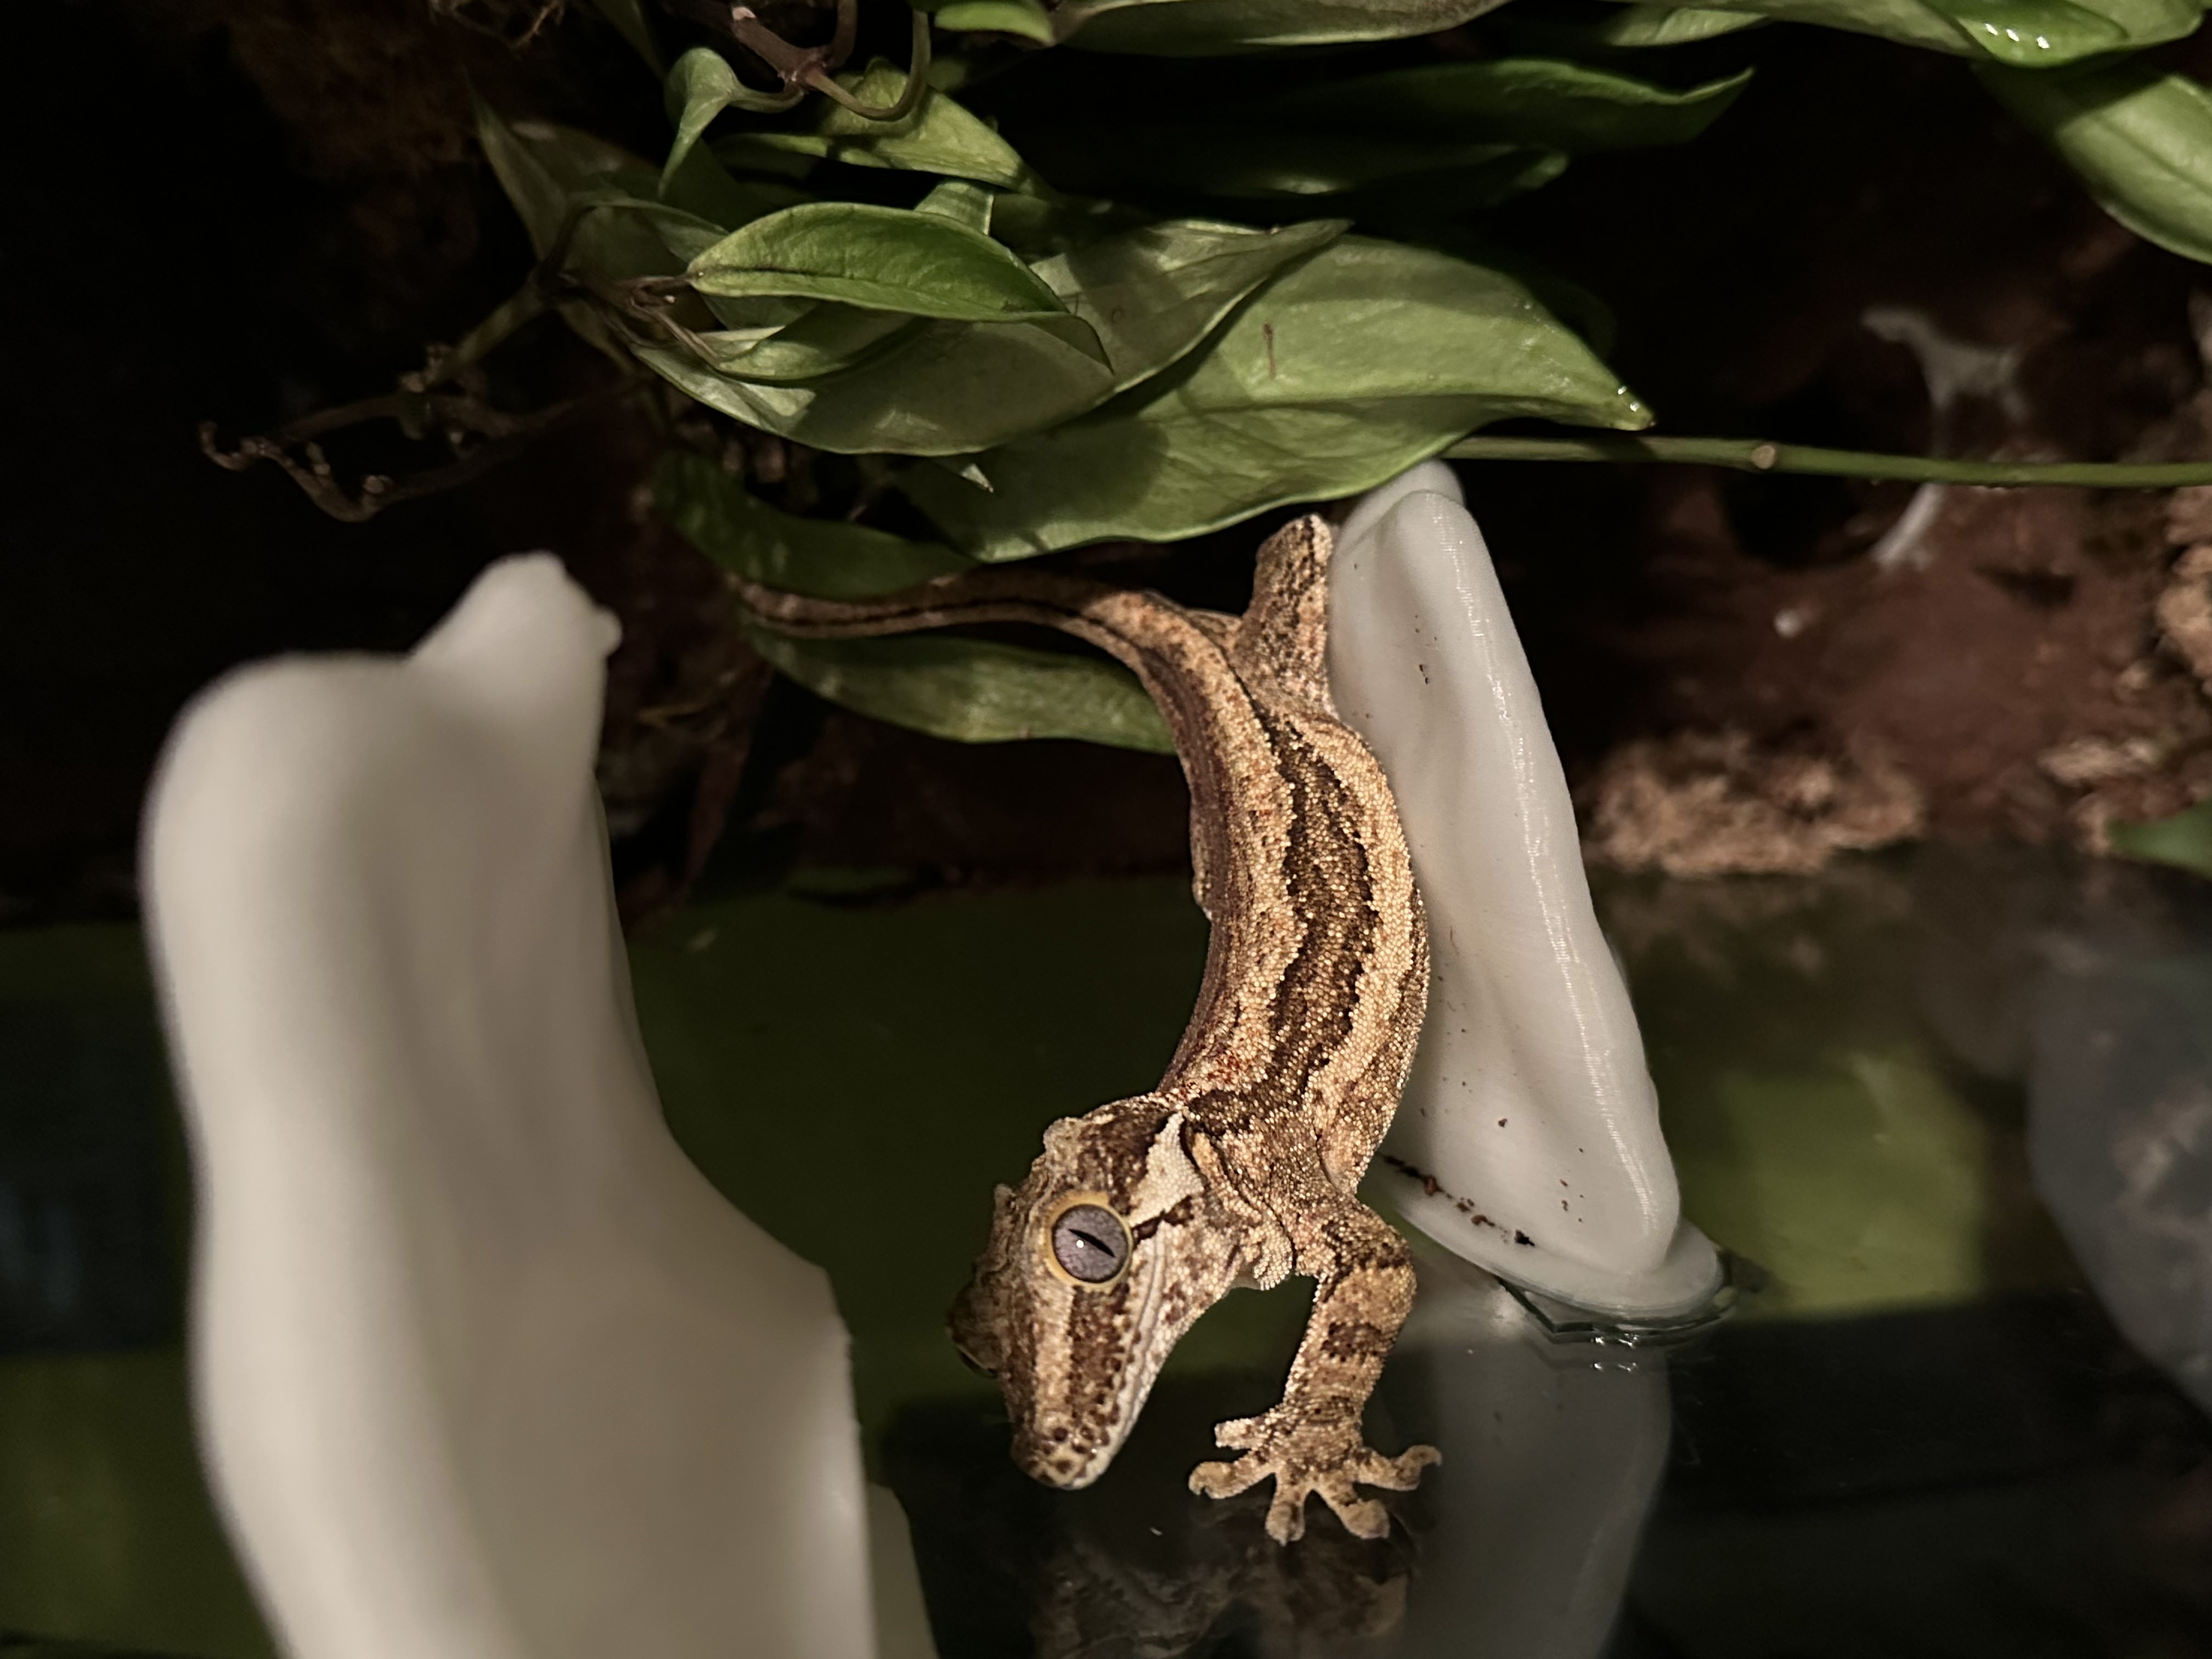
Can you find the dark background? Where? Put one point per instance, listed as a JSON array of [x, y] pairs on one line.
[[244, 211]]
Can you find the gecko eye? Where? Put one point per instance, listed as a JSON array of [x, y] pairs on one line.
[[1091, 1243]]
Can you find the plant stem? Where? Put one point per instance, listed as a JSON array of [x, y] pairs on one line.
[[917, 82], [1755, 455]]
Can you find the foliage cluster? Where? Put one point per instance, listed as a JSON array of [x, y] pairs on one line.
[[1276, 292]]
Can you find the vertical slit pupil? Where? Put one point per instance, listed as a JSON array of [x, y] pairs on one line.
[[1091, 1243]]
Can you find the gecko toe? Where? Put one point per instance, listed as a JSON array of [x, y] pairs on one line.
[[1286, 1516], [1301, 1462], [1227, 1480], [1362, 1517], [1398, 1473], [1239, 1433]]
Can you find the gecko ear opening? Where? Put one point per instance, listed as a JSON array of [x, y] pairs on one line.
[[973, 1335], [971, 1362]]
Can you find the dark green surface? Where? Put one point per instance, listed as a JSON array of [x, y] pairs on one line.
[[1923, 1438], [106, 1532], [857, 1079], [1816, 1125]]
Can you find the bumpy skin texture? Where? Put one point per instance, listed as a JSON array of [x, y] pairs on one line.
[[1241, 1168]]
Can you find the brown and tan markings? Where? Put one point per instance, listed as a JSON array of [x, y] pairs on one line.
[[1239, 1170]]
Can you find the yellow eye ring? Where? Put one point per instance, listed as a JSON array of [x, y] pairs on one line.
[[1085, 1243]]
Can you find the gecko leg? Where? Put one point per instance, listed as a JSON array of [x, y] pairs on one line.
[[1312, 1441]]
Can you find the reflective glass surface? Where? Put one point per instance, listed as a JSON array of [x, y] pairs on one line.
[[1952, 1112]]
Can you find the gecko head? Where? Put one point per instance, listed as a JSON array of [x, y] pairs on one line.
[[1097, 1264]]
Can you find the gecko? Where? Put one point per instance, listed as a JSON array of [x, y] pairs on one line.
[[1240, 1169]]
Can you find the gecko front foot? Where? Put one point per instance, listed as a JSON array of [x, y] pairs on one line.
[[1305, 1455]]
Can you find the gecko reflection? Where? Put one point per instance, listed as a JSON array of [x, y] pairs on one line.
[[1526, 1557], [1227, 1588]]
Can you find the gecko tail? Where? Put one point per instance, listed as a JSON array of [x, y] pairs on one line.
[[1045, 599], [807, 617]]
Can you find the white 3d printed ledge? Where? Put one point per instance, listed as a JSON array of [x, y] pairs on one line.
[[1528, 1141], [485, 1369]]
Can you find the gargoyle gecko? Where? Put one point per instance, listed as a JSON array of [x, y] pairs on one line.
[[1240, 1169]]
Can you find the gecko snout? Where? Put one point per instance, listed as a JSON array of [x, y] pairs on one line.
[[1057, 1458]]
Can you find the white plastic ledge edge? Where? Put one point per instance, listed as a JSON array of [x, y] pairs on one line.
[[1528, 1140]]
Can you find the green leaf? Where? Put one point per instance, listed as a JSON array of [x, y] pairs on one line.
[[1591, 318], [700, 88], [702, 187], [974, 690], [681, 234], [962, 202], [971, 691], [881, 258], [1536, 101], [1037, 220], [1423, 207], [1349, 368], [822, 339], [938, 389], [2042, 34], [2034, 33], [823, 558], [1420, 145], [1025, 18], [540, 166], [2183, 840], [1155, 293], [936, 135], [1641, 25], [827, 341], [624, 228], [2141, 142], [1151, 294], [1200, 28], [1906, 21]]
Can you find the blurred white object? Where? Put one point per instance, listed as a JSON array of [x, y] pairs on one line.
[[486, 1369], [1529, 1141], [2089, 982], [2119, 1134]]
